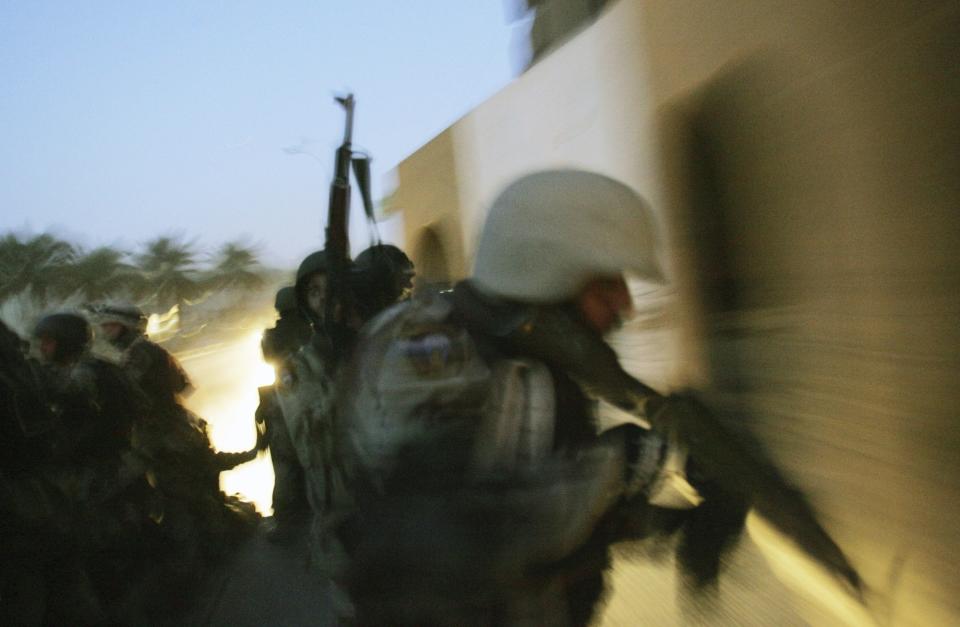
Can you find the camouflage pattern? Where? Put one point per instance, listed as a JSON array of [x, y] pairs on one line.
[[305, 393]]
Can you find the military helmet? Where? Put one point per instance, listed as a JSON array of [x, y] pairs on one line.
[[549, 233], [286, 299], [127, 314], [71, 332], [311, 264], [388, 254], [382, 276]]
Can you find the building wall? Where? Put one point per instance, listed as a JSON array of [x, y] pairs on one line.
[[811, 182], [579, 112], [432, 209]]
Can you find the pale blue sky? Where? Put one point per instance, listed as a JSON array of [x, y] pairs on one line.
[[121, 120]]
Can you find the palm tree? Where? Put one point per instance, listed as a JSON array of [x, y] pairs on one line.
[[39, 266], [168, 265], [101, 273], [237, 267]]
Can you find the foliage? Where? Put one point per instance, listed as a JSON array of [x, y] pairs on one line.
[[38, 265], [237, 267], [166, 271], [170, 272], [102, 273]]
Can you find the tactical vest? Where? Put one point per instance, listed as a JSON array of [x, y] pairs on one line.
[[428, 394]]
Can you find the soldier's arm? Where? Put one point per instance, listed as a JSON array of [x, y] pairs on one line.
[[227, 461]]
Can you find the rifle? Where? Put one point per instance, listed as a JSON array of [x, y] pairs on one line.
[[337, 236], [338, 307]]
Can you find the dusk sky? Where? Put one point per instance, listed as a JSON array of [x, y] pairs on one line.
[[121, 120]]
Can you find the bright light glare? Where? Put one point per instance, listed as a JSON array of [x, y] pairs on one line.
[[162, 325], [227, 378], [265, 375]]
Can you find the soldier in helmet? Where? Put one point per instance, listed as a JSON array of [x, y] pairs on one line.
[[291, 330], [156, 371], [62, 338], [96, 407], [457, 432], [110, 403], [279, 344], [305, 389], [174, 442], [383, 276], [468, 436], [150, 365], [35, 516]]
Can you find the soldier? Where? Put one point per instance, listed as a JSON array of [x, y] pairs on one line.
[[96, 406], [92, 387], [307, 381], [468, 434], [291, 330], [305, 389], [459, 434], [383, 276], [150, 365], [279, 344], [35, 515], [199, 521], [156, 372]]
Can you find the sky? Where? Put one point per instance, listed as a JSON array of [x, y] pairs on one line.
[[125, 120]]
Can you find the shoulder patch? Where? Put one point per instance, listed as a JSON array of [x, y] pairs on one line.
[[430, 353]]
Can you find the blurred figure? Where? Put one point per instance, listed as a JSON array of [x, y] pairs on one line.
[[150, 365], [35, 515], [462, 437], [109, 402], [383, 276], [290, 332], [279, 344], [157, 372], [96, 407], [483, 490], [199, 522], [305, 393]]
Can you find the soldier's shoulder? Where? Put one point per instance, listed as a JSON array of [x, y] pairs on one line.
[[415, 340], [410, 316]]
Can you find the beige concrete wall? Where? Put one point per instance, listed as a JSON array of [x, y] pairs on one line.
[[428, 195], [582, 106], [810, 162]]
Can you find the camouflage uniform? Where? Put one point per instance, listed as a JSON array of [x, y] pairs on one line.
[[306, 396], [280, 344]]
